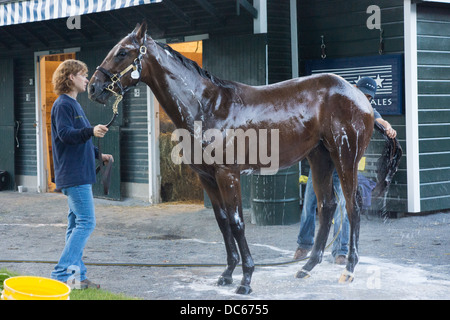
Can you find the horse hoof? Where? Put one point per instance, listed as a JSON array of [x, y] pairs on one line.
[[346, 277], [223, 281], [303, 274], [243, 289]]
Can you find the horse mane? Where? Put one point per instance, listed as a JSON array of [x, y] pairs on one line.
[[194, 67], [190, 65]]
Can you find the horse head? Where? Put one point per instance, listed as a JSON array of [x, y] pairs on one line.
[[122, 67]]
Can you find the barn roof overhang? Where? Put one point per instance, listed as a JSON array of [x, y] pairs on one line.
[[17, 12], [42, 24]]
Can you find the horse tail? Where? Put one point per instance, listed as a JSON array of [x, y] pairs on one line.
[[387, 164]]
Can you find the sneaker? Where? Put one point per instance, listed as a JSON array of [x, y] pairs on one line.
[[300, 254], [82, 285], [341, 260]]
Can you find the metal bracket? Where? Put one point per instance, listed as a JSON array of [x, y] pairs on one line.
[[247, 6]]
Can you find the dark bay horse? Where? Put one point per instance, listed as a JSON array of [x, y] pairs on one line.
[[322, 118]]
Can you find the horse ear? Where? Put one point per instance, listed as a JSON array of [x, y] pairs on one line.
[[141, 30], [138, 25]]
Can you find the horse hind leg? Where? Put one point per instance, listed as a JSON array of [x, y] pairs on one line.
[[322, 171], [348, 175], [212, 190], [354, 212]]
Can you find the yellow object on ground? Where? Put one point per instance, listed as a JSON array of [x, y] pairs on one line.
[[34, 288]]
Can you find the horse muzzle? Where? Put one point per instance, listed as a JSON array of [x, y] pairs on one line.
[[97, 91]]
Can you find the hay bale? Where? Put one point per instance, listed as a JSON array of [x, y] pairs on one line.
[[178, 181]]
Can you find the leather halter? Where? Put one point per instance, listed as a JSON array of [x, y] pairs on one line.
[[115, 80], [136, 66]]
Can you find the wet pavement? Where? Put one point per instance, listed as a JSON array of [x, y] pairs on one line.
[[175, 251]]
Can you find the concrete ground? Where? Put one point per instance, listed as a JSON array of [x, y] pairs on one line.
[[405, 258]]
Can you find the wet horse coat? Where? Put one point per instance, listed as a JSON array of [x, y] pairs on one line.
[[322, 118]]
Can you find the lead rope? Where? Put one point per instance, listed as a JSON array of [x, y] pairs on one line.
[[105, 171], [115, 107]]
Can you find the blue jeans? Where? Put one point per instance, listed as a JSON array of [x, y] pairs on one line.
[[81, 223], [308, 219]]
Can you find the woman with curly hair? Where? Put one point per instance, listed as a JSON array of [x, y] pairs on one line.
[[74, 157]]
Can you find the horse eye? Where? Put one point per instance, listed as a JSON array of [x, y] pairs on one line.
[[121, 53]]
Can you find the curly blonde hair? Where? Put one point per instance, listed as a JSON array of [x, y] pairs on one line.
[[61, 81]]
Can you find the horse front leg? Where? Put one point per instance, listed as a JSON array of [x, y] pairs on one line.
[[226, 277], [229, 185], [248, 265], [213, 192]]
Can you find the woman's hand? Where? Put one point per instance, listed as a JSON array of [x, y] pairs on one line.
[[100, 130], [107, 157]]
